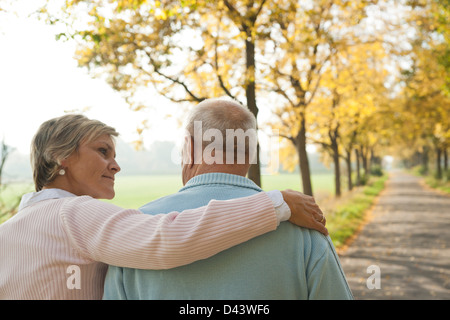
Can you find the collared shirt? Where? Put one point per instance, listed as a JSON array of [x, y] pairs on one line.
[[288, 263], [58, 245], [31, 198]]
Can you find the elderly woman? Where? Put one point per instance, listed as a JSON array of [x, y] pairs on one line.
[[59, 243]]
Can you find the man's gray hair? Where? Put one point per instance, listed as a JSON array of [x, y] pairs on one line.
[[232, 121]]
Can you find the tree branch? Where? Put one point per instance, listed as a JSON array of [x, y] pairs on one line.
[[175, 80], [290, 138]]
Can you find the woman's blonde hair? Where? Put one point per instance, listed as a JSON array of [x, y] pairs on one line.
[[56, 139]]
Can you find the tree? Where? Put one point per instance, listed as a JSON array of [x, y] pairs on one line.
[[351, 95], [4, 153], [251, 51], [179, 47], [138, 43], [305, 36], [425, 106]]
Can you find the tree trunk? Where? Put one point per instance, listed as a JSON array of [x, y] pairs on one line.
[[254, 173], [445, 159], [337, 167], [424, 160], [4, 153], [300, 144], [358, 168], [348, 161], [364, 161], [438, 163]]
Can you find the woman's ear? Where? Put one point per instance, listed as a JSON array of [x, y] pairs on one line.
[[63, 162], [66, 162]]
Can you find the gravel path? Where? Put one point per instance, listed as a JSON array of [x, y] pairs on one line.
[[406, 242]]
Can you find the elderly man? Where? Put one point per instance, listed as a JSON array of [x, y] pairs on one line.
[[289, 263]]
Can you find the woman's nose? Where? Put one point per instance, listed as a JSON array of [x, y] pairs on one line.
[[115, 166]]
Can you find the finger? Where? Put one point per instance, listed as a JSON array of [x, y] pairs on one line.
[[318, 214], [322, 220], [320, 227], [316, 225], [310, 223]]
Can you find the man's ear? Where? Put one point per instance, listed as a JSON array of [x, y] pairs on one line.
[[188, 151], [191, 152]]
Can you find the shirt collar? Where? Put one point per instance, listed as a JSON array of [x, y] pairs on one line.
[[46, 194], [220, 178]]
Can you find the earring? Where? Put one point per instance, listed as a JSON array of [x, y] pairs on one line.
[[62, 172]]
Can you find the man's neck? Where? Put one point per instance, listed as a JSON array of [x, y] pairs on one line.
[[240, 170]]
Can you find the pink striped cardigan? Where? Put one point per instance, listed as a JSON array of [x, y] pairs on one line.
[[60, 248]]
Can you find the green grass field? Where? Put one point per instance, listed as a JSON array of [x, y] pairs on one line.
[[134, 191]]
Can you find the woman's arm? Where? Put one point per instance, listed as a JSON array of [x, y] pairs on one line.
[[128, 238]]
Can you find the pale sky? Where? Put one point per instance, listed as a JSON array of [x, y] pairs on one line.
[[39, 80]]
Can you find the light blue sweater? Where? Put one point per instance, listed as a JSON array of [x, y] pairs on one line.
[[288, 263]]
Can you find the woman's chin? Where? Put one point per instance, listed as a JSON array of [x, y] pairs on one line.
[[107, 195]]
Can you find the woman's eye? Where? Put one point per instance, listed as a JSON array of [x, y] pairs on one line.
[[103, 151]]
